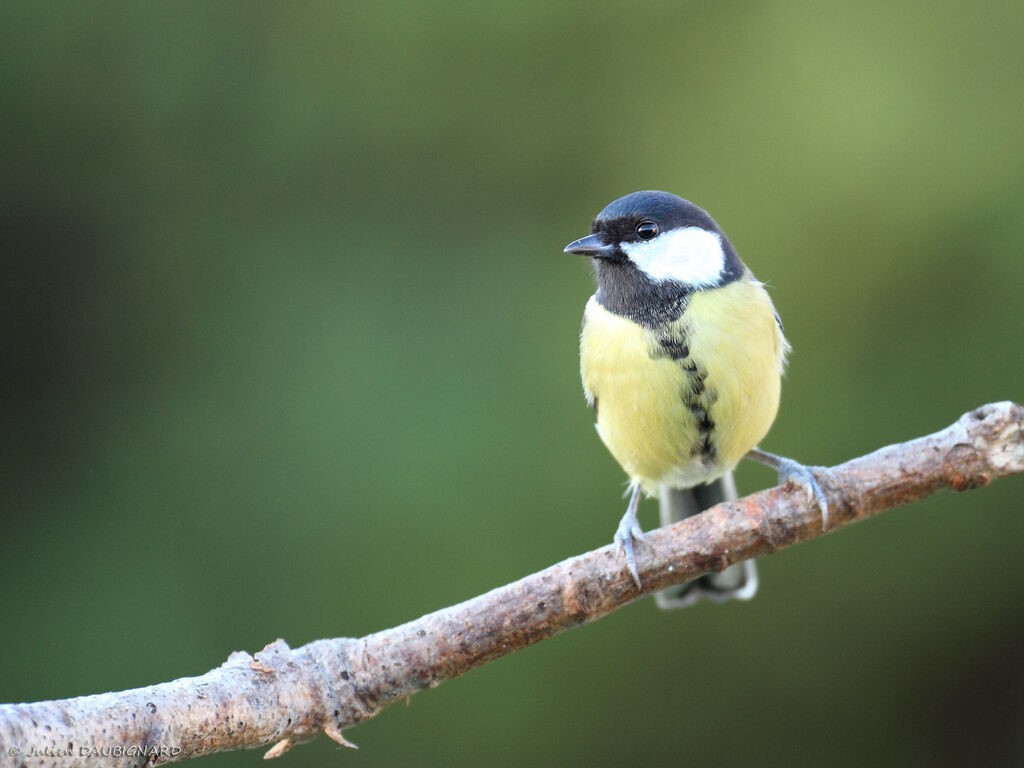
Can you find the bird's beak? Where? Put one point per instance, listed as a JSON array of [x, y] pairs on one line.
[[591, 245]]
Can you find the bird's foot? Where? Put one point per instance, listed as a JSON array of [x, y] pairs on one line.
[[799, 474], [804, 476], [628, 530]]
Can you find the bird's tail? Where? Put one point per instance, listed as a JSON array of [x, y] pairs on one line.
[[737, 582]]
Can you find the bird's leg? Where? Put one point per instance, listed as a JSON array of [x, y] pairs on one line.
[[629, 529], [794, 472]]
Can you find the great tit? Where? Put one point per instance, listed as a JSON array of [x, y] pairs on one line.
[[681, 354]]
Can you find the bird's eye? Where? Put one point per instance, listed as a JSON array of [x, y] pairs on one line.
[[647, 230]]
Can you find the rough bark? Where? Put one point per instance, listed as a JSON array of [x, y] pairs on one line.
[[282, 696]]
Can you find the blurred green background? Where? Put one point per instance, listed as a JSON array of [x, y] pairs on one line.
[[290, 350]]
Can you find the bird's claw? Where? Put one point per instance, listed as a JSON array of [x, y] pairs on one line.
[[804, 476], [628, 530]]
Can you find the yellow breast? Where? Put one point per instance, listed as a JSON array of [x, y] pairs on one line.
[[682, 404]]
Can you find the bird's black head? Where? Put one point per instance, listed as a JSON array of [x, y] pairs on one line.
[[652, 249], [645, 215]]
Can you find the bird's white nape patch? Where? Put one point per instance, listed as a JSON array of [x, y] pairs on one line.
[[688, 255]]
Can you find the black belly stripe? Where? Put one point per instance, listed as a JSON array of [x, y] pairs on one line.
[[700, 407], [671, 342], [674, 347], [695, 394]]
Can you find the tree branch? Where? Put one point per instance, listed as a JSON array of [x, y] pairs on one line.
[[283, 696]]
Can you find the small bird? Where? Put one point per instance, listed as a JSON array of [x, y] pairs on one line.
[[681, 354]]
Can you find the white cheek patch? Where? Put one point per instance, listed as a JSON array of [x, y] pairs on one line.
[[689, 255]]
